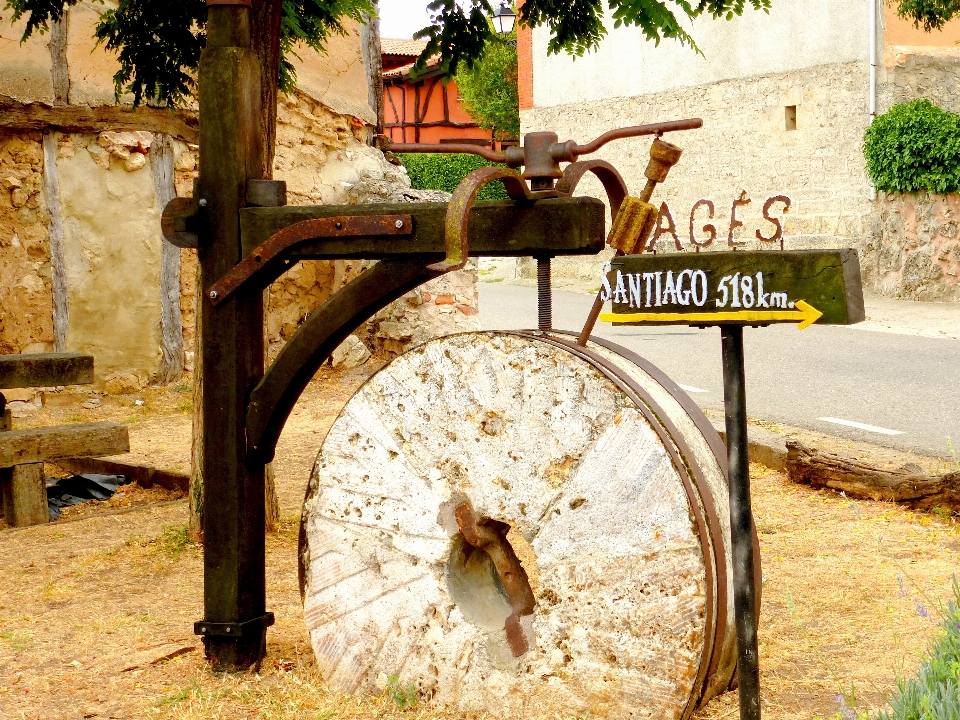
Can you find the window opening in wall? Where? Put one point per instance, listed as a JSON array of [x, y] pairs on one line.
[[790, 113]]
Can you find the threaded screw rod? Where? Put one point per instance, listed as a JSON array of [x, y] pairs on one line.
[[544, 295]]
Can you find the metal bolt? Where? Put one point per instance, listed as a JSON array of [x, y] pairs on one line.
[[203, 629], [202, 202], [339, 225], [399, 224], [228, 629], [213, 294]]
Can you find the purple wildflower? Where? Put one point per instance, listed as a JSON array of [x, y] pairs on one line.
[[845, 710]]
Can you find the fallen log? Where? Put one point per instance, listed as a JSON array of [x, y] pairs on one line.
[[863, 481]]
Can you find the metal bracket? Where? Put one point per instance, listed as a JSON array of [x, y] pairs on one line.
[[267, 193], [278, 243], [257, 625]]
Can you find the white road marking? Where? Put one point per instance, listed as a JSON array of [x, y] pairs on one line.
[[861, 426], [690, 388]]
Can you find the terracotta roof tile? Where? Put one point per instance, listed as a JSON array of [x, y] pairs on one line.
[[400, 46]]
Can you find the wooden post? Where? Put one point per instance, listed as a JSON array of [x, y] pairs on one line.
[[235, 620], [22, 501], [24, 495]]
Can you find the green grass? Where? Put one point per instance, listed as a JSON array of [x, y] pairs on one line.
[[405, 696], [18, 641], [173, 541]]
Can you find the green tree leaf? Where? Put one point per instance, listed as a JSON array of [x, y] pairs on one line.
[[913, 147], [488, 90]]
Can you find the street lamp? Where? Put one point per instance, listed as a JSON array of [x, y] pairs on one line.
[[504, 18]]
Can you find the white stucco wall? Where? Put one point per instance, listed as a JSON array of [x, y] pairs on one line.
[[112, 258], [796, 34]]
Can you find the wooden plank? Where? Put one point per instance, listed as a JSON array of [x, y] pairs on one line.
[[45, 370], [17, 115], [142, 475], [33, 445], [24, 495], [500, 228], [741, 288], [171, 319], [58, 267]]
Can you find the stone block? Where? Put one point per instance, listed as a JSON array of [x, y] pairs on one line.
[[351, 353], [122, 384]]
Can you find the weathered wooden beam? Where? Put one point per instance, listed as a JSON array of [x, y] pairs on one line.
[[143, 475], [24, 495], [17, 115], [234, 576], [501, 228], [34, 445], [45, 370], [862, 480]]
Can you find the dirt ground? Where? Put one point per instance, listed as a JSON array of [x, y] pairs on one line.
[[97, 610]]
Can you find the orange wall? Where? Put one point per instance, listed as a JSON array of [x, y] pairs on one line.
[[898, 31], [524, 64], [401, 97]]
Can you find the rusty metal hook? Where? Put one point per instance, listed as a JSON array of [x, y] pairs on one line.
[[458, 211]]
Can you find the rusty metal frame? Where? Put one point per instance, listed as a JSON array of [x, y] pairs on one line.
[[258, 263], [606, 173]]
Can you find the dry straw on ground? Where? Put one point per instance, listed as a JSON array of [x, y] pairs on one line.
[[96, 615]]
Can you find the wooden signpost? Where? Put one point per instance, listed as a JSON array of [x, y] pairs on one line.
[[743, 288], [733, 289]]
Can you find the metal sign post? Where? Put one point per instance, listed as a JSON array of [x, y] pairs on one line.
[[733, 289]]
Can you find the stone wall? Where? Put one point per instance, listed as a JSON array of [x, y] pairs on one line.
[[744, 151], [80, 245], [794, 36], [111, 251], [784, 98], [111, 246], [26, 294], [920, 72], [912, 247], [323, 159]]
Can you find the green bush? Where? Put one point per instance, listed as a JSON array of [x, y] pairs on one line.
[[914, 147], [440, 171], [934, 693]]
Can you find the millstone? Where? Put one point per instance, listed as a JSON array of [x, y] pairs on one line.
[[509, 524]]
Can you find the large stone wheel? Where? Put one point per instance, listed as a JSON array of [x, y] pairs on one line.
[[521, 526]]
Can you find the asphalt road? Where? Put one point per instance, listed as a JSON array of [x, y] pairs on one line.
[[904, 387]]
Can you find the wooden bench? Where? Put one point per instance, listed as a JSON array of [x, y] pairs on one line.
[[23, 488]]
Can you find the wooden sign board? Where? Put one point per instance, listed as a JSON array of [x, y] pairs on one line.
[[739, 288]]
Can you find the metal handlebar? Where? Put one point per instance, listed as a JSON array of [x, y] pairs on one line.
[[542, 153], [487, 153], [571, 150]]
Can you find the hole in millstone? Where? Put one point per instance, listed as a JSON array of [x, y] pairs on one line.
[[478, 589]]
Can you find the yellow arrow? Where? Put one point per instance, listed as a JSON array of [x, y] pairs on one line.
[[804, 313]]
